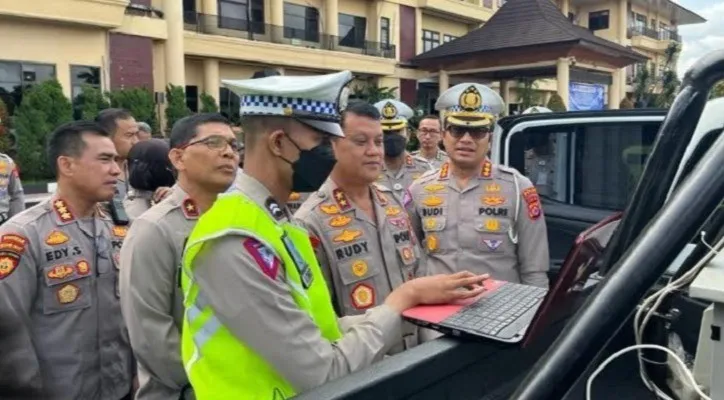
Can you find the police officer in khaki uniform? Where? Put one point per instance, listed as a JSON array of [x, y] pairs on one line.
[[474, 214], [204, 151], [12, 197], [366, 247], [429, 136], [252, 296], [123, 129], [400, 167], [60, 314]]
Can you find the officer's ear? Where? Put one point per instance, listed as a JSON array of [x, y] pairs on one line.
[[176, 158], [275, 141], [65, 165]]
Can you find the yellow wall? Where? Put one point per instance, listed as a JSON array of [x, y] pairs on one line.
[[649, 12], [194, 73], [613, 9], [318, 4], [443, 26], [353, 7], [61, 45]]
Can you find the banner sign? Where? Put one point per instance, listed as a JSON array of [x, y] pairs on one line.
[[585, 97]]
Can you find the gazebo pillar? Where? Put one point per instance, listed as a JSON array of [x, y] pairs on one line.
[[505, 94], [563, 76], [443, 81]]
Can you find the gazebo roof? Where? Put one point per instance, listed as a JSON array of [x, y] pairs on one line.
[[526, 26]]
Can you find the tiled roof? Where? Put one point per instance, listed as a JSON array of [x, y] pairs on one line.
[[523, 23]]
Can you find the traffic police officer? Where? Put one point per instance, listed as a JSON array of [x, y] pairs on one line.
[[429, 136], [12, 198], [259, 322], [204, 151], [400, 167], [60, 315], [366, 247], [473, 213]]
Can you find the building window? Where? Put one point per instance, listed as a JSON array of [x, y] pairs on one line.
[[15, 77], [192, 98], [229, 105], [448, 38], [385, 31], [301, 22], [639, 21], [598, 20], [352, 30], [430, 40], [236, 14], [81, 76]]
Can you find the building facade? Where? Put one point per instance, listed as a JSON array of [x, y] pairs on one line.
[[114, 44]]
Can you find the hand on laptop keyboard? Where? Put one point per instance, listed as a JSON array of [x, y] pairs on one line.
[[436, 289]]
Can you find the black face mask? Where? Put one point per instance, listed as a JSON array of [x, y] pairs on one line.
[[394, 144], [312, 168]]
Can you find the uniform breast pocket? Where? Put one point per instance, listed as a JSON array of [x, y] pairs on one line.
[[492, 233], [436, 240], [67, 287], [358, 277]]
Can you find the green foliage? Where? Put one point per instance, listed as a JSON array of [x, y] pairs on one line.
[[139, 102], [717, 91], [413, 143], [44, 108], [175, 105], [89, 102], [528, 94], [372, 94], [208, 103], [626, 104], [556, 104], [5, 141], [658, 90]]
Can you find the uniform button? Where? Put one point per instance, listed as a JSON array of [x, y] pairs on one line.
[[321, 195], [397, 186]]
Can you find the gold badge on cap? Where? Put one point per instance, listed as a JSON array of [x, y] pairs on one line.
[[389, 111], [470, 99]]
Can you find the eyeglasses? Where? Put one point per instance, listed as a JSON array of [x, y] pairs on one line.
[[476, 133], [216, 142], [425, 132]]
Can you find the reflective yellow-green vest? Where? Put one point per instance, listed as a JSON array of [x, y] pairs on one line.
[[218, 365]]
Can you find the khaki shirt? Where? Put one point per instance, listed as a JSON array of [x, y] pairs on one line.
[[474, 228], [437, 161], [137, 202], [254, 302], [60, 315], [399, 181], [12, 197], [296, 200], [362, 258], [152, 298]]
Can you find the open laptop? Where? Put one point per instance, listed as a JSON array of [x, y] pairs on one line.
[[511, 312]]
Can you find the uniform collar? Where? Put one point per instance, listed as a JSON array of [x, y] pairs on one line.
[[178, 197], [259, 194], [64, 215], [342, 204], [486, 170]]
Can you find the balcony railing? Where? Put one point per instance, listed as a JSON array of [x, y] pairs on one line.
[[657, 34], [259, 31]]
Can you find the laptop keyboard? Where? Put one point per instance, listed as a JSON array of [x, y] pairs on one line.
[[492, 313]]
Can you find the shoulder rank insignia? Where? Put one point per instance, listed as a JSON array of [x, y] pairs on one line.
[[341, 199], [119, 231], [294, 196], [444, 170], [329, 209], [487, 169], [56, 237], [189, 208], [62, 210]]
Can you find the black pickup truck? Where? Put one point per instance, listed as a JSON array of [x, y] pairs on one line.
[[655, 179]]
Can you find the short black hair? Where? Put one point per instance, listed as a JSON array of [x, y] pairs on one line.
[[362, 109], [67, 140], [185, 129], [108, 118]]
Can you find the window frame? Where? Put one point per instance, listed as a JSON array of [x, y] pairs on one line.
[[290, 32], [22, 83], [73, 83], [430, 40], [595, 15], [385, 31], [256, 24], [357, 23], [448, 38]]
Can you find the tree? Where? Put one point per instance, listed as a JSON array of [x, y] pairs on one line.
[[556, 104], [175, 105], [139, 102], [372, 94], [626, 104], [89, 103], [669, 78], [528, 94], [652, 89], [208, 104], [717, 91], [44, 108], [6, 143]]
